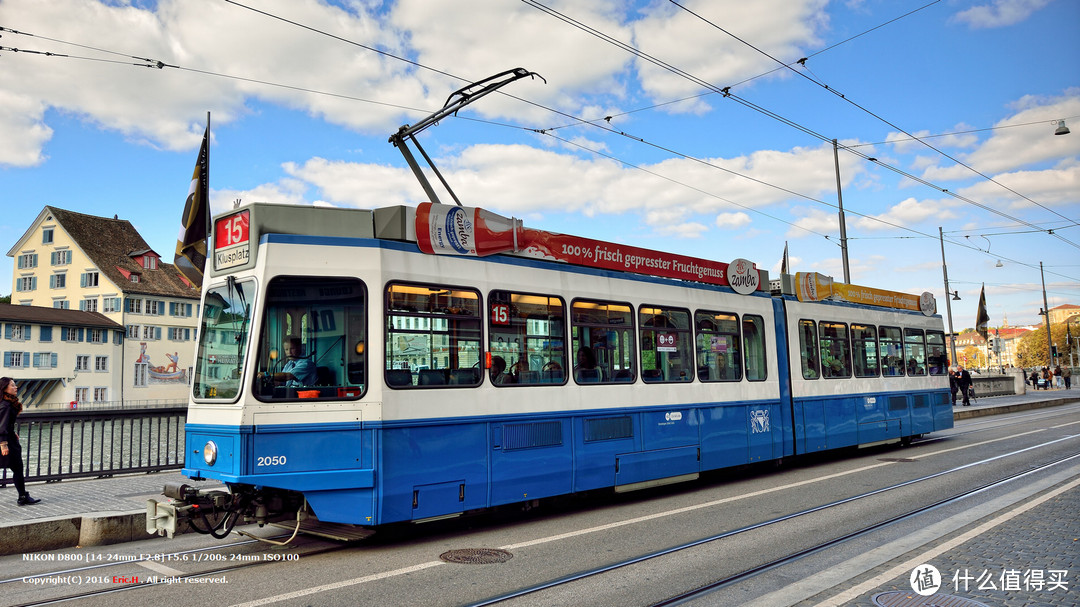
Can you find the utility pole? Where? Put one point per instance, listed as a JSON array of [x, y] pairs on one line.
[[1046, 310], [948, 298], [843, 225]]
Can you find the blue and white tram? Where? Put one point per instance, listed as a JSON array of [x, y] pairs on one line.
[[343, 372]]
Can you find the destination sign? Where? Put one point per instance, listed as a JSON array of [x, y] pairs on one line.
[[232, 240]]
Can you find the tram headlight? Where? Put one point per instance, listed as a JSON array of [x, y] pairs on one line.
[[209, 452]]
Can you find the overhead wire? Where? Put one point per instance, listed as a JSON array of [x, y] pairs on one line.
[[664, 65], [160, 65], [882, 119], [726, 92]]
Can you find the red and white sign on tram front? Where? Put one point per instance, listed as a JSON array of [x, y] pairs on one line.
[[232, 240], [452, 230]]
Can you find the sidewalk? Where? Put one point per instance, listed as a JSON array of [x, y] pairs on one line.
[[94, 512], [996, 405], [82, 512]]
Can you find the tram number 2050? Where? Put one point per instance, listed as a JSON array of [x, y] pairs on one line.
[[270, 460]]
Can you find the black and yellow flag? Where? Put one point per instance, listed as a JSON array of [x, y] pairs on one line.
[[191, 242], [982, 317]]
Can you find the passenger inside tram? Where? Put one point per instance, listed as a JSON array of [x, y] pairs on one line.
[[585, 370]]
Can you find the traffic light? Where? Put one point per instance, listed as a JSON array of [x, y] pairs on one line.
[[1053, 351]]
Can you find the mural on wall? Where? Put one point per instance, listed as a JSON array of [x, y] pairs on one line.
[[170, 373]]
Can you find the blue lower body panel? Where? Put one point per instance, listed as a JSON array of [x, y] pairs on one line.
[[420, 469], [833, 422]]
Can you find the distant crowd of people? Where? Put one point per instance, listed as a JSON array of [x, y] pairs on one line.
[[1046, 378]]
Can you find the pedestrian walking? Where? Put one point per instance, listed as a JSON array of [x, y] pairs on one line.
[[1059, 381], [10, 449], [1066, 373], [952, 384], [963, 383]]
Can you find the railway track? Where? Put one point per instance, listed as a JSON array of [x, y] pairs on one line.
[[215, 560], [223, 558], [729, 580]]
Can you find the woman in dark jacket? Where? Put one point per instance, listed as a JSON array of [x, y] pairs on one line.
[[10, 449]]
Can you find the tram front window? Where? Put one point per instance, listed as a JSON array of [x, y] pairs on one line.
[[312, 340], [223, 335]]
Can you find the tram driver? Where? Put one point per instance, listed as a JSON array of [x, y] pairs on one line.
[[299, 370]]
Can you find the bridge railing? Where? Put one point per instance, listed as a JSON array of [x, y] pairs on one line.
[[99, 443]]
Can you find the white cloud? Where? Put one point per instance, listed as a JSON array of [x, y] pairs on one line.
[[999, 14], [783, 28], [905, 214], [732, 221], [1014, 147], [22, 118], [1055, 187], [813, 221]]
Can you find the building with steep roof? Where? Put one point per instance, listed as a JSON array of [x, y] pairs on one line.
[[72, 261], [61, 356]]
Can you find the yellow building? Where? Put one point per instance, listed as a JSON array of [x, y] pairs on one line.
[[68, 260], [1062, 313]]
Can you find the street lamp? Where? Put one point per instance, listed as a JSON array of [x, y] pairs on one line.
[[1046, 311], [949, 295]]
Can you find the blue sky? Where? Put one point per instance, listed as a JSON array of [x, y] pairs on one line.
[[678, 167]]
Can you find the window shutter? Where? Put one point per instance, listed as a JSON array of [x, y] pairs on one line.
[[25, 359], [55, 359], [7, 331], [35, 261], [81, 334], [157, 332], [7, 359], [161, 308], [28, 332]]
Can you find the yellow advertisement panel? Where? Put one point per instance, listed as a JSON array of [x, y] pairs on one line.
[[817, 287]]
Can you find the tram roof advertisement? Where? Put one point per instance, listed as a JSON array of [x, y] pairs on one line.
[[818, 287], [453, 230]]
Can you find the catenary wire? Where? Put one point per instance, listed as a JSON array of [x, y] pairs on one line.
[[880, 118], [726, 92], [159, 65]]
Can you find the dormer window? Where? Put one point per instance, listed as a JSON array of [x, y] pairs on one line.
[[149, 262], [134, 277]]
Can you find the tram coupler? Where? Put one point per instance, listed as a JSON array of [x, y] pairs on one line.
[[162, 518]]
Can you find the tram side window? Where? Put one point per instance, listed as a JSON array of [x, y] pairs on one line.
[[936, 359], [603, 341], [312, 340], [864, 350], [835, 349], [718, 346], [808, 350], [754, 347], [432, 336], [915, 350], [666, 356], [892, 351], [527, 339]]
